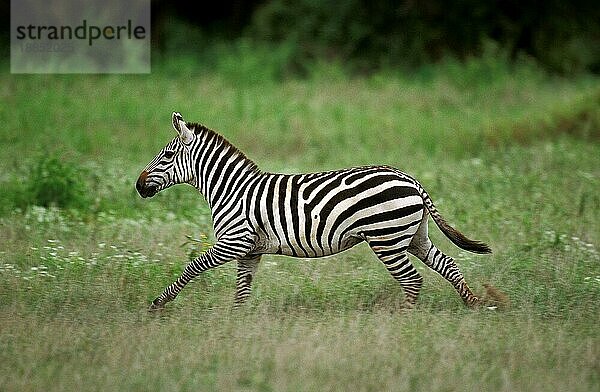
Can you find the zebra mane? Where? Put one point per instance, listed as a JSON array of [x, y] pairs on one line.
[[198, 129]]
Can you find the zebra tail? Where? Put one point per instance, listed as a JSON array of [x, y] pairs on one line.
[[458, 238]]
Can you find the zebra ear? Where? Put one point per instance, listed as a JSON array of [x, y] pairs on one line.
[[181, 128]]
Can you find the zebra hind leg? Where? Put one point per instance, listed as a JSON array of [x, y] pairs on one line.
[[422, 247], [245, 273], [399, 266]]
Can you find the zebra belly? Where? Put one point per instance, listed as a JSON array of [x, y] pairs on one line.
[[274, 246], [323, 214], [331, 232]]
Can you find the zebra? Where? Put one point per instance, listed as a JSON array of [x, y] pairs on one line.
[[301, 215]]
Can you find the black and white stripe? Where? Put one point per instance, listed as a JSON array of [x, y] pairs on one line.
[[305, 215]]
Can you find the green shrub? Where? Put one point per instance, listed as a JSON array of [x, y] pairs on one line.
[[53, 181]]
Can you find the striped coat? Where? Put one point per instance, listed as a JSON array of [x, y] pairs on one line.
[[304, 215]]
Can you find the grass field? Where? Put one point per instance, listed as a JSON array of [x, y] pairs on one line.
[[510, 155]]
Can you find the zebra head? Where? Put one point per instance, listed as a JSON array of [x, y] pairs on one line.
[[172, 165]]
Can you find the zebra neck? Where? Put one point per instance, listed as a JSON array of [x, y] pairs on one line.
[[226, 183], [222, 170]]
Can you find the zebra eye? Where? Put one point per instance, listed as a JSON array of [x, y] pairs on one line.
[[169, 154]]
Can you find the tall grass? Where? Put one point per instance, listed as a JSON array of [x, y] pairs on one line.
[[303, 351], [510, 156]]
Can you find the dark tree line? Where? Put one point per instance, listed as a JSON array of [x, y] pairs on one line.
[[563, 36]]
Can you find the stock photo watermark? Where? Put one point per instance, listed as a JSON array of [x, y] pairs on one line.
[[75, 36]]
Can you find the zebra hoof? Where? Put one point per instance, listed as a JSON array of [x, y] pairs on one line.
[[473, 302], [155, 307], [407, 305]]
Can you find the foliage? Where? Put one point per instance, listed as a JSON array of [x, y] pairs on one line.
[[562, 36], [378, 33], [54, 181]]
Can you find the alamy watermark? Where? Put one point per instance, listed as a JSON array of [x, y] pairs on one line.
[[80, 36]]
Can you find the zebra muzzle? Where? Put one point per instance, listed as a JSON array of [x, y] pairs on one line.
[[143, 189]]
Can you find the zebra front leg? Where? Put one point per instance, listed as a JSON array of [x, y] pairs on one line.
[[245, 273], [217, 255]]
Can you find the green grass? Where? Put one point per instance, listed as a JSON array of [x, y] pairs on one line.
[[510, 155]]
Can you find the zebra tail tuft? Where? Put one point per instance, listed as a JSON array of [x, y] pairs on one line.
[[458, 238]]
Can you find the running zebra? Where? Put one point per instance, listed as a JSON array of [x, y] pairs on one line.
[[303, 215]]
